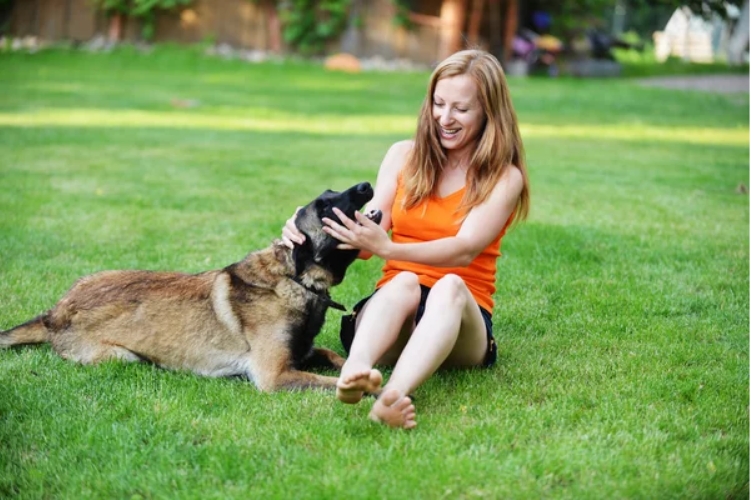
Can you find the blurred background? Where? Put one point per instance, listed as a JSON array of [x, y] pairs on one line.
[[548, 37]]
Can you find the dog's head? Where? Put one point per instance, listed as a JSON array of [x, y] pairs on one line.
[[319, 248]]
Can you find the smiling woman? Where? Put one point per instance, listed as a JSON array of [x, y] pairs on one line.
[[448, 197]]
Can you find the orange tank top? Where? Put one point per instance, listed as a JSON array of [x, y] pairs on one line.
[[438, 218]]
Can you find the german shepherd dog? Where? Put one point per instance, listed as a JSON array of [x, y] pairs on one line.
[[256, 318]]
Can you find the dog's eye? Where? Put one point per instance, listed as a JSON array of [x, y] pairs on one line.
[[323, 205]]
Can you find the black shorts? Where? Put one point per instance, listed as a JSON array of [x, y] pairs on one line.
[[347, 331]]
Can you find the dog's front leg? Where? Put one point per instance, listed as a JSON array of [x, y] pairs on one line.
[[323, 359], [296, 379]]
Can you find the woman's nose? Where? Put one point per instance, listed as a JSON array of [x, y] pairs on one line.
[[445, 117]]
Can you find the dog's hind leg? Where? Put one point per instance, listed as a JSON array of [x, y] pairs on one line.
[[92, 352], [120, 353]]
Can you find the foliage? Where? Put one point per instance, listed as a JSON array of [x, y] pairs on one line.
[[114, 6], [700, 7], [572, 17], [401, 14], [6, 11], [144, 10], [309, 24]]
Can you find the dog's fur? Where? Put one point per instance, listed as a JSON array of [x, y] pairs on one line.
[[256, 318]]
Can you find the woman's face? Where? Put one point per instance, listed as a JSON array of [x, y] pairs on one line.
[[458, 112]]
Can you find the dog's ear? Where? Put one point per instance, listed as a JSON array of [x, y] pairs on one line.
[[303, 256]]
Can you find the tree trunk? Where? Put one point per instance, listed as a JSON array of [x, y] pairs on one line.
[[739, 39], [351, 39], [475, 20], [66, 20], [115, 32], [509, 31], [453, 15], [274, 26], [619, 17], [496, 28], [35, 24]]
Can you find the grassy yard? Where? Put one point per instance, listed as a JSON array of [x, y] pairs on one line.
[[622, 306]]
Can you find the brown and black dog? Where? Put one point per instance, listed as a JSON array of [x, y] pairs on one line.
[[256, 318]]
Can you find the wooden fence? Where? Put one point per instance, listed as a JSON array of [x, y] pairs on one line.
[[240, 23]]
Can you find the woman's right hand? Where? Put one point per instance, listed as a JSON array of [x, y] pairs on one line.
[[291, 236]]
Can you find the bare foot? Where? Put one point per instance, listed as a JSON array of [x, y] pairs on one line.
[[394, 410], [351, 388]]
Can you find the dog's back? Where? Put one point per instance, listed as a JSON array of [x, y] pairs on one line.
[[135, 315]]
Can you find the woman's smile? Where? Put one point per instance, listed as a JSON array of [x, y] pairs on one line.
[[449, 133]]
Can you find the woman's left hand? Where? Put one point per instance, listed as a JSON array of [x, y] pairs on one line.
[[362, 234]]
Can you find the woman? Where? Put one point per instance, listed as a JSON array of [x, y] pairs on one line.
[[448, 197]]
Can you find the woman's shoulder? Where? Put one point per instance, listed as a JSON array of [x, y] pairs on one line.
[[396, 157], [402, 148], [513, 174], [510, 181]]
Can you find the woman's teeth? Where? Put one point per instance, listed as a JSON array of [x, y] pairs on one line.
[[449, 132]]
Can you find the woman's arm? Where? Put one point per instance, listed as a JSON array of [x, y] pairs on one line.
[[479, 229], [385, 188], [388, 175]]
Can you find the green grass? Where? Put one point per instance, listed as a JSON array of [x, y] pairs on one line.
[[643, 63], [622, 306]]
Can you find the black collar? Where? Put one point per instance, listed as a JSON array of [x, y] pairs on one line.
[[325, 297]]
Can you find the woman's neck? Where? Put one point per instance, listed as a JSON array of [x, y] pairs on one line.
[[457, 161], [460, 158]]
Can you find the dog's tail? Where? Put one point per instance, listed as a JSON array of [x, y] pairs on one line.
[[31, 332]]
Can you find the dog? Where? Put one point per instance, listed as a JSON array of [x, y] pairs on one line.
[[256, 318]]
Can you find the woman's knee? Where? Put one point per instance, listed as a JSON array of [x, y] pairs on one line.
[[449, 291], [404, 289]]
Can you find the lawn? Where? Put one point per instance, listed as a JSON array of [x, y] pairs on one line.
[[622, 307]]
